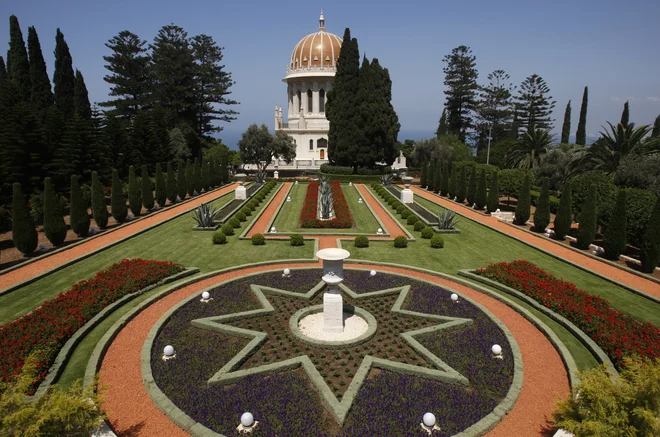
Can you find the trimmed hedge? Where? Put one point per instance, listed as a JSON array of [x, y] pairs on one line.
[[427, 233], [361, 241], [246, 211], [588, 220], [614, 241], [437, 242], [400, 242], [564, 217], [24, 233], [258, 240], [412, 219], [650, 250], [227, 229], [297, 240], [542, 213], [54, 226], [405, 214], [419, 226], [523, 204], [99, 208], [219, 237]]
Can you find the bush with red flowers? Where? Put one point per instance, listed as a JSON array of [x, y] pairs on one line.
[[618, 334], [45, 330], [308, 215]]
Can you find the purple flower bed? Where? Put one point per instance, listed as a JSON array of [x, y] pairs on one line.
[[287, 404]]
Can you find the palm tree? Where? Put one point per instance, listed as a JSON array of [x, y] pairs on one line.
[[527, 152], [559, 163], [607, 152]]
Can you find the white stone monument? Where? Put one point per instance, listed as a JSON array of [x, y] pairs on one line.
[[333, 260], [406, 193], [241, 192], [333, 304]]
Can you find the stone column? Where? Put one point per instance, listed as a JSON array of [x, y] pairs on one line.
[[241, 192], [407, 194], [333, 305]]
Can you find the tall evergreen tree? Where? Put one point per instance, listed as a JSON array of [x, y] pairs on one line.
[[461, 186], [442, 124], [143, 139], [190, 178], [542, 213], [129, 78], [197, 176], [461, 93], [655, 133], [23, 232], [566, 127], [171, 185], [524, 202], [181, 185], [534, 105], [494, 109], [581, 133], [77, 153], [564, 217], [614, 241], [433, 167], [99, 208], [64, 77], [41, 93], [78, 215], [54, 226], [494, 194], [515, 128], [3, 71], [115, 139], [161, 186], [213, 175], [81, 103], [117, 199], [146, 192], [444, 181], [438, 177], [224, 168], [650, 250], [422, 178], [134, 194], [453, 179], [625, 115], [481, 197], [588, 220], [206, 182], [471, 192], [17, 60]]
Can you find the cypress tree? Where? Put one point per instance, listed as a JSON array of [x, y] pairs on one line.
[[493, 194], [134, 196], [17, 59], [64, 77], [564, 217], [161, 187], [625, 115], [99, 208], [471, 193], [78, 215], [190, 178], [655, 133], [461, 186], [147, 194], [438, 177], [650, 250], [81, 105], [197, 176], [442, 124], [614, 241], [206, 183], [542, 213], [444, 181], [588, 217], [3, 71], [41, 93], [430, 182], [422, 178], [213, 177], [117, 199], [481, 197], [524, 202], [170, 185], [581, 134], [181, 185], [452, 183], [54, 226], [23, 232], [566, 127]]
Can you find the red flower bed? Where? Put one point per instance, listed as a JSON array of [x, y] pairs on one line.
[[342, 219], [45, 330], [618, 334]]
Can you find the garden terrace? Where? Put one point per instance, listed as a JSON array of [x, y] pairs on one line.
[[424, 214], [230, 208]]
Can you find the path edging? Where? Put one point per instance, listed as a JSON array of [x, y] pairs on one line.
[[387, 210], [254, 220]]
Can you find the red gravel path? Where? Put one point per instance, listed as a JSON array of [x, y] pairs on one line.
[[55, 260], [261, 226], [131, 411], [591, 264]]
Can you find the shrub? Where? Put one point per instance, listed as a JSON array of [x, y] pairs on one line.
[[258, 240], [181, 183], [23, 232], [461, 186], [412, 219], [650, 248], [481, 197], [54, 226], [147, 194], [542, 213], [297, 240], [206, 178], [246, 211], [205, 215], [361, 241], [134, 196], [524, 203], [605, 191], [161, 186], [227, 229], [614, 241], [437, 242], [447, 219], [564, 217], [405, 214], [587, 229], [252, 205], [511, 180], [190, 178], [336, 169], [639, 206], [438, 177], [400, 242], [99, 208], [419, 226], [427, 233], [234, 222], [117, 199], [444, 180], [493, 194], [170, 184], [400, 209], [36, 205], [78, 216], [219, 237], [5, 220], [471, 193]]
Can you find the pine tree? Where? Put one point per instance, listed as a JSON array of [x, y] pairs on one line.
[[494, 194], [524, 202], [117, 199], [181, 185], [625, 115], [655, 133], [494, 109], [587, 229], [515, 128], [54, 226], [142, 139], [650, 250], [161, 186], [64, 77], [438, 176], [534, 105], [134, 195], [461, 90], [147, 194], [444, 181], [41, 93], [481, 196], [190, 178], [17, 60], [471, 193], [23, 232], [461, 186], [566, 127], [542, 213], [78, 215], [442, 124], [206, 182], [77, 153], [614, 241], [581, 134], [115, 138], [99, 208], [170, 185], [81, 103], [197, 176]]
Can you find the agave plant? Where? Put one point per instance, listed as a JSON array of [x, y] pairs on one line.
[[325, 196], [447, 219], [386, 179], [205, 215]]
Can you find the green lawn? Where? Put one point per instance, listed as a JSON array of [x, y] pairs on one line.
[[289, 216]]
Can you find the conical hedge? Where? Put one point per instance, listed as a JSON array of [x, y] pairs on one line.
[[472, 187], [147, 194], [481, 198], [197, 176], [54, 226], [78, 214], [523, 207], [438, 177], [564, 217], [494, 194], [161, 187], [181, 185], [461, 186], [134, 195], [444, 181], [206, 183], [99, 208], [23, 232], [170, 185], [117, 199], [190, 178], [587, 230], [650, 250], [542, 213], [614, 241]]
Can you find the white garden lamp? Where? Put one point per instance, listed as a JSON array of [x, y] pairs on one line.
[[429, 419], [497, 351], [206, 296], [247, 419], [168, 352], [286, 273], [454, 297], [372, 273]]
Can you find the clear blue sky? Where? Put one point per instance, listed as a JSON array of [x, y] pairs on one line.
[[611, 46]]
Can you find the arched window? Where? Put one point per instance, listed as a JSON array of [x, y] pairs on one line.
[[310, 103], [299, 102], [311, 144], [322, 153], [321, 142], [322, 101]]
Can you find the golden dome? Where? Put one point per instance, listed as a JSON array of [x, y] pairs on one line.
[[318, 50]]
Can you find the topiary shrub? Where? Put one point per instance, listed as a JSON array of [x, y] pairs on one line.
[[564, 217], [297, 240], [227, 229], [145, 189], [605, 191], [117, 199], [252, 205], [419, 226], [23, 232], [412, 219], [650, 248], [471, 193], [542, 213], [400, 209], [437, 242], [219, 237], [54, 226], [134, 194], [587, 229], [405, 214], [234, 222], [241, 217], [427, 233], [246, 211], [99, 208], [361, 241], [400, 242], [78, 215], [524, 203], [493, 194], [614, 241], [481, 198], [161, 186], [258, 240]]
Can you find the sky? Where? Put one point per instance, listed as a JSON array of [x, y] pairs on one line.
[[612, 47]]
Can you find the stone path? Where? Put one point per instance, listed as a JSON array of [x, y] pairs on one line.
[[261, 226], [589, 263], [131, 411], [50, 262]]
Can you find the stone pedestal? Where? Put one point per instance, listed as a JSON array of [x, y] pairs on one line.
[[333, 260], [276, 174], [333, 305], [406, 195], [240, 193]]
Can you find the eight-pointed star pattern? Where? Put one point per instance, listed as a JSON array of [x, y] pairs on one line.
[[231, 372]]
